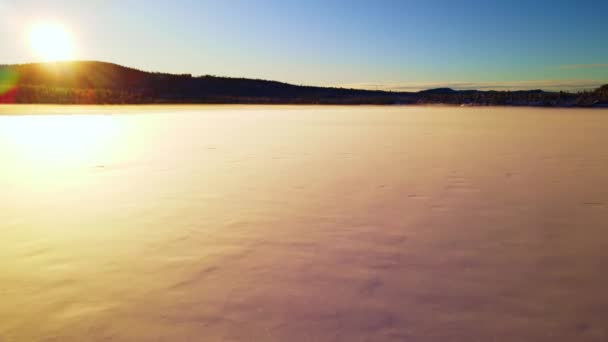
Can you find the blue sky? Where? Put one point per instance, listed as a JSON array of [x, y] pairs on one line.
[[374, 44]]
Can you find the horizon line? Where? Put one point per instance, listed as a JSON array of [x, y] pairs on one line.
[[413, 86]]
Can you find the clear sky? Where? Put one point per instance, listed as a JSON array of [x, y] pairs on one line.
[[384, 44]]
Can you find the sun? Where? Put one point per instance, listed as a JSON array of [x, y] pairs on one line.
[[51, 42]]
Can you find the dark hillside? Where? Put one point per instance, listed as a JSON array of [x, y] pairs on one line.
[[94, 82]]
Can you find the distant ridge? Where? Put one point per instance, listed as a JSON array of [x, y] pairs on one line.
[[93, 82], [438, 91]]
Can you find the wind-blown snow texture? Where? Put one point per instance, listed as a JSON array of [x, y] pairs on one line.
[[303, 224]]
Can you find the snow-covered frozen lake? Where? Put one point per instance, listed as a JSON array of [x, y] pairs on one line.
[[303, 223]]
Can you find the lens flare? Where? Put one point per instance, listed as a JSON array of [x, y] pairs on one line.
[[8, 85]]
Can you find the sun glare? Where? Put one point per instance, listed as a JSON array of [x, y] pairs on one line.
[[51, 42], [59, 141]]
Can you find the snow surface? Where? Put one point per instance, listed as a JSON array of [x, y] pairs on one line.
[[303, 223]]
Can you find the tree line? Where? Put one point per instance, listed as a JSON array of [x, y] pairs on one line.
[[105, 83]]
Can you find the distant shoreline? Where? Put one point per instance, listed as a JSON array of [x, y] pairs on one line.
[[158, 105], [100, 83]]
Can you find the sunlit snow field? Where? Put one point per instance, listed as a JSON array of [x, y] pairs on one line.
[[303, 223]]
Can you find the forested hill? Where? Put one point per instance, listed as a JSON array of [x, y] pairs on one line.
[[90, 82], [99, 82]]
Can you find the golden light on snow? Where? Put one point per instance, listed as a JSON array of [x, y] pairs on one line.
[[57, 140], [302, 223], [51, 42]]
